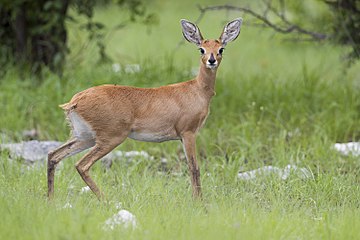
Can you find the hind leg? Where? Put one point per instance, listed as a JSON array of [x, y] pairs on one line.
[[68, 149], [101, 148]]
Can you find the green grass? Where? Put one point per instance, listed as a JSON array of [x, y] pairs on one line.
[[277, 103], [324, 207]]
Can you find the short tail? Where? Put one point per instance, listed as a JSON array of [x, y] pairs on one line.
[[68, 106]]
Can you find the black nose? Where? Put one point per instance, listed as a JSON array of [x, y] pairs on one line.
[[212, 60]]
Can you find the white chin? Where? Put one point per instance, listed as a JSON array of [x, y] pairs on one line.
[[211, 66]]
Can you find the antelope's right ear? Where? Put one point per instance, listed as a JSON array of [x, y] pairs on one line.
[[191, 32]]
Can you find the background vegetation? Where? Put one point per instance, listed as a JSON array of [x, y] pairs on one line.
[[278, 102]]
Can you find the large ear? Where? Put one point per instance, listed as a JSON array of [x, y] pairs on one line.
[[191, 32], [231, 31]]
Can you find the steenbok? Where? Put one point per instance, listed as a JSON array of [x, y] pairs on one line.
[[102, 117]]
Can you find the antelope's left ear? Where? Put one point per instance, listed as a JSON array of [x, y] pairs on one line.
[[231, 31]]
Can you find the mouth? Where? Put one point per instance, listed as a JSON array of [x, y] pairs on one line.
[[211, 66]]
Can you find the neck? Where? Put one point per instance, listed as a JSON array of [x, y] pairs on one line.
[[206, 79]]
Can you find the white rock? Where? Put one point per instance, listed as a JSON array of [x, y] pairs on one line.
[[132, 154], [128, 68], [118, 205], [85, 189], [116, 67], [67, 205], [132, 68], [31, 151], [122, 155], [123, 218], [350, 148], [302, 173]]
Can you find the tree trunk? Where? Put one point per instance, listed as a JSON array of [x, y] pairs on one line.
[[49, 47], [20, 34]]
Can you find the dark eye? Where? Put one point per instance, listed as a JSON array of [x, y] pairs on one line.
[[221, 50], [202, 51]]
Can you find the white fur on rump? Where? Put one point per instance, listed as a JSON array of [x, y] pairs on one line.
[[80, 128]]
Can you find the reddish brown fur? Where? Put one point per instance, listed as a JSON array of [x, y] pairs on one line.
[[179, 107], [109, 114]]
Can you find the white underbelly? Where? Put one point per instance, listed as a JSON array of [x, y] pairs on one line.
[[152, 137]]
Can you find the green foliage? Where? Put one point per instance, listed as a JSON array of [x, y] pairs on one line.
[[34, 34], [309, 14], [346, 25], [335, 20], [341, 23]]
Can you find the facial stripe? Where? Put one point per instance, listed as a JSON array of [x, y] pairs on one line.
[[212, 59]]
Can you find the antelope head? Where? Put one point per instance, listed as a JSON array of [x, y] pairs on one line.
[[211, 50]]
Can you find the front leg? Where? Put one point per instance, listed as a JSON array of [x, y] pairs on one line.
[[189, 143]]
